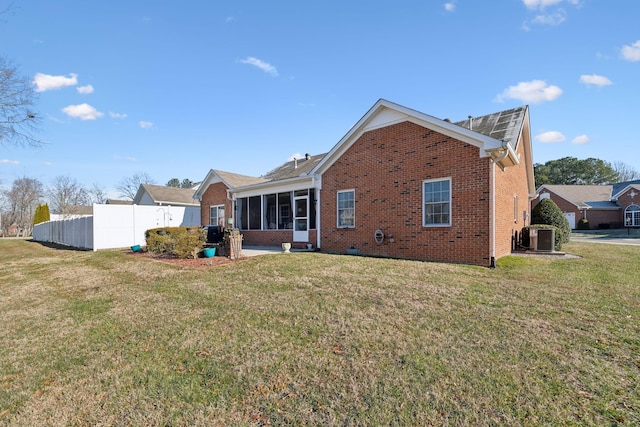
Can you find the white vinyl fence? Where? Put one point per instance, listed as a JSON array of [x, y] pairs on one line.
[[114, 226]]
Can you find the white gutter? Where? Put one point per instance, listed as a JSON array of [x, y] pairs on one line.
[[492, 217]]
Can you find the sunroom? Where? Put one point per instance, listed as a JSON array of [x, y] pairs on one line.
[[277, 212]]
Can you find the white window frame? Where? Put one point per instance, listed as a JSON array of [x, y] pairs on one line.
[[217, 208], [632, 216], [424, 203], [339, 222]]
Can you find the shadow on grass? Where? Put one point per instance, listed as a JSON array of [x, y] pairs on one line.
[[57, 246]]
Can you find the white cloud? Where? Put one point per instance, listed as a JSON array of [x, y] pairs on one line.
[[82, 112], [145, 125], [450, 6], [294, 156], [595, 80], [541, 4], [267, 68], [631, 52], [550, 19], [117, 115], [580, 139], [46, 82], [85, 90], [551, 136], [534, 92], [9, 162], [555, 17]]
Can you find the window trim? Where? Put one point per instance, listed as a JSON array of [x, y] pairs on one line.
[[338, 225], [424, 203], [217, 207], [632, 212]]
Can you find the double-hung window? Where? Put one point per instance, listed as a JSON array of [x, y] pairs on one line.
[[216, 215], [436, 196], [346, 208]]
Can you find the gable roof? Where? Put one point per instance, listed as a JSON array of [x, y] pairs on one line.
[[631, 186], [166, 195], [496, 135], [229, 179], [622, 186], [583, 196]]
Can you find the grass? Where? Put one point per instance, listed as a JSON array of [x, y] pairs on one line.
[[104, 338]]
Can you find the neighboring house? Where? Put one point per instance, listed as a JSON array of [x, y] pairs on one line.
[[399, 184], [604, 206], [160, 195]]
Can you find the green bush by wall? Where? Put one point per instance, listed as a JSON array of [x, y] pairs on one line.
[[183, 242]]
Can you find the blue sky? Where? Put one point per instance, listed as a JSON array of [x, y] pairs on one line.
[[174, 89]]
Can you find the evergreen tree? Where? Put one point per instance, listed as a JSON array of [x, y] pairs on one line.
[[546, 212]]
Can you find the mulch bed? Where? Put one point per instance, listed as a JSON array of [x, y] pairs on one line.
[[215, 261]]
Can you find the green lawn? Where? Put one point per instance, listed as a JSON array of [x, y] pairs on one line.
[[108, 338]]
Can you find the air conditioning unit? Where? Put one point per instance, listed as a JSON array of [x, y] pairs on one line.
[[546, 240]]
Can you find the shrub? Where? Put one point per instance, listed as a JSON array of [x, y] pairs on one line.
[[183, 242], [583, 224], [546, 212]]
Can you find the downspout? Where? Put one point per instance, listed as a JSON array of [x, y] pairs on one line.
[[492, 215], [317, 184], [232, 200]]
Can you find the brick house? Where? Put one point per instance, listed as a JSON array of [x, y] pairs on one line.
[[399, 184], [604, 206]]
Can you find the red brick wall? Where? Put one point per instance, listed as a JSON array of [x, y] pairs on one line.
[[603, 218], [625, 200], [511, 189], [387, 167], [214, 195], [275, 238]]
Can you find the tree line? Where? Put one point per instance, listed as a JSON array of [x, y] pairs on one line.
[[591, 171], [65, 196]]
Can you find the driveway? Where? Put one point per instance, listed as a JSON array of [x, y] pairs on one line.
[[614, 237]]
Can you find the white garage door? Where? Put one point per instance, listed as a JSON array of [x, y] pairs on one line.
[[571, 217]]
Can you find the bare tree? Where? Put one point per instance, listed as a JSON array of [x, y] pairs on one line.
[[66, 194], [129, 186], [97, 194], [18, 119], [625, 172], [21, 201]]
